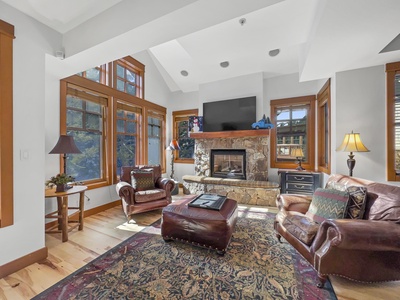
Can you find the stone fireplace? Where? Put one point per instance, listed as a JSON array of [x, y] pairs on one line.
[[228, 163], [256, 158]]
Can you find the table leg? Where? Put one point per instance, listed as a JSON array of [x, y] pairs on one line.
[[81, 209], [64, 218], [59, 213]]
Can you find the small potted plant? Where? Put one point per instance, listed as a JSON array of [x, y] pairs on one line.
[[60, 181]]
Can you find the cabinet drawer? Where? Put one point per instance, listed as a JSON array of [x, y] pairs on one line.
[[304, 192], [299, 178], [299, 186]]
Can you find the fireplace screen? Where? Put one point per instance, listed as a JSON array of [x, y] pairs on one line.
[[228, 163]]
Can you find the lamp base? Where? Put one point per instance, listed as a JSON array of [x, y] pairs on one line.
[[299, 167]]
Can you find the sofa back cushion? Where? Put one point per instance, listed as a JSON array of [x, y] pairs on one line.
[[327, 204], [126, 172]]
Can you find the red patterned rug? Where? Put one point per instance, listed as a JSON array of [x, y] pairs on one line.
[[256, 266]]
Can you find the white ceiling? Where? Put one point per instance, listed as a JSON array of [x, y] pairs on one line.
[[316, 38]]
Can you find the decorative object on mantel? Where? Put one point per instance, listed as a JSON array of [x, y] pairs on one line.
[[298, 153], [174, 145], [264, 123], [352, 143], [60, 181], [195, 124], [65, 145]]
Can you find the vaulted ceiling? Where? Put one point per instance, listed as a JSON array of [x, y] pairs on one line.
[[315, 38]]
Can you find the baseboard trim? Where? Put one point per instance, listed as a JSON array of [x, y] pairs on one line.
[[22, 262], [90, 212]]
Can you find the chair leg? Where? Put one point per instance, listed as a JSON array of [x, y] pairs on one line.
[[321, 281]]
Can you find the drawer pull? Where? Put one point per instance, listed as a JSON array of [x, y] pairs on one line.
[[298, 178], [299, 187]]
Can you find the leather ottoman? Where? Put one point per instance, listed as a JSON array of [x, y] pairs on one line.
[[199, 226]]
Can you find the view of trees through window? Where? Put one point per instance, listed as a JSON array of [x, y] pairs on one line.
[[185, 142], [154, 138], [85, 124], [127, 131]]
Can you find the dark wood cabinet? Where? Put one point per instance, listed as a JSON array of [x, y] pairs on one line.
[[299, 182]]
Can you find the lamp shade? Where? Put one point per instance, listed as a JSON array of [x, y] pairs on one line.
[[298, 152], [64, 145], [174, 145], [352, 143]]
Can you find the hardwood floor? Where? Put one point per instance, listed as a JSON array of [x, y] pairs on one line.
[[106, 230]]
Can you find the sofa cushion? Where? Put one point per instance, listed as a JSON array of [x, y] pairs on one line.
[[301, 227], [327, 204], [357, 202], [142, 179], [150, 195]]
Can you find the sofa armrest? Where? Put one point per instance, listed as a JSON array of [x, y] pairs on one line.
[[359, 235], [126, 192], [293, 202]]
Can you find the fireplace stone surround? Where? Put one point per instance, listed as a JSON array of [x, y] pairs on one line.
[[256, 190]]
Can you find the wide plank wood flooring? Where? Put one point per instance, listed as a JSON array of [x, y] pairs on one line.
[[106, 230]]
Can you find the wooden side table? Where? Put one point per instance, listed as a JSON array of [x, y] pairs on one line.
[[62, 211]]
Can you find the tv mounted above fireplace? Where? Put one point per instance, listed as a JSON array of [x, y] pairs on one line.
[[232, 114]]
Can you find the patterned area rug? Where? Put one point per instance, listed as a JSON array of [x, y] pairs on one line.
[[256, 266]]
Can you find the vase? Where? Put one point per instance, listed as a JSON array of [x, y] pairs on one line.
[[61, 188]]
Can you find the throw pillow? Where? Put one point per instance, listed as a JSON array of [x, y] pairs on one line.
[[327, 204], [301, 227], [142, 180], [357, 201]]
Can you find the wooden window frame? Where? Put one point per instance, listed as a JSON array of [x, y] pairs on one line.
[[182, 115], [6, 125], [106, 164], [134, 66], [391, 70], [103, 73], [162, 116], [324, 122], [286, 102]]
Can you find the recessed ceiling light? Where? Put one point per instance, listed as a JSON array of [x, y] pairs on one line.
[[274, 52], [224, 64], [184, 73], [242, 21]]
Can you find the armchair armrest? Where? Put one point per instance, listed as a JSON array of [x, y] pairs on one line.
[[293, 202], [166, 184], [126, 192], [359, 235]]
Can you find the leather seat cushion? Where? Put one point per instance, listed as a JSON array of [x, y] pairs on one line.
[[150, 195], [301, 227]]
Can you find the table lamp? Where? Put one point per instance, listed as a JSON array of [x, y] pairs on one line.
[[352, 143], [65, 145], [174, 145], [298, 153]]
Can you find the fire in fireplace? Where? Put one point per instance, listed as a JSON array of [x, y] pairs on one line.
[[228, 163]]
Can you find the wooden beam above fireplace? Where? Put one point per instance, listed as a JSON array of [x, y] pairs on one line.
[[229, 134]]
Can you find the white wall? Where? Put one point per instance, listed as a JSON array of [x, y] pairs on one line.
[[33, 40], [361, 107]]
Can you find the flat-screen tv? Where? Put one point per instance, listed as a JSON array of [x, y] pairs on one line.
[[232, 114]]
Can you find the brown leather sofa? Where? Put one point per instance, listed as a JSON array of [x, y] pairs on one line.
[[366, 250], [135, 201]]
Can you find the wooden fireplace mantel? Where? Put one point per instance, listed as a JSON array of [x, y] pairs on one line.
[[229, 134]]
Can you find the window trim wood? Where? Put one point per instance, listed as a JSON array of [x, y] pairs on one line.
[[277, 103], [182, 114], [391, 70], [324, 98], [6, 125]]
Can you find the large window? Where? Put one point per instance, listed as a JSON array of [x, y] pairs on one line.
[[294, 120], [181, 134], [324, 128], [127, 131], [6, 124], [155, 133], [96, 74], [393, 121], [86, 112]]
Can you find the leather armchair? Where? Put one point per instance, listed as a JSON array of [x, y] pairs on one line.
[[135, 201], [366, 250]]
